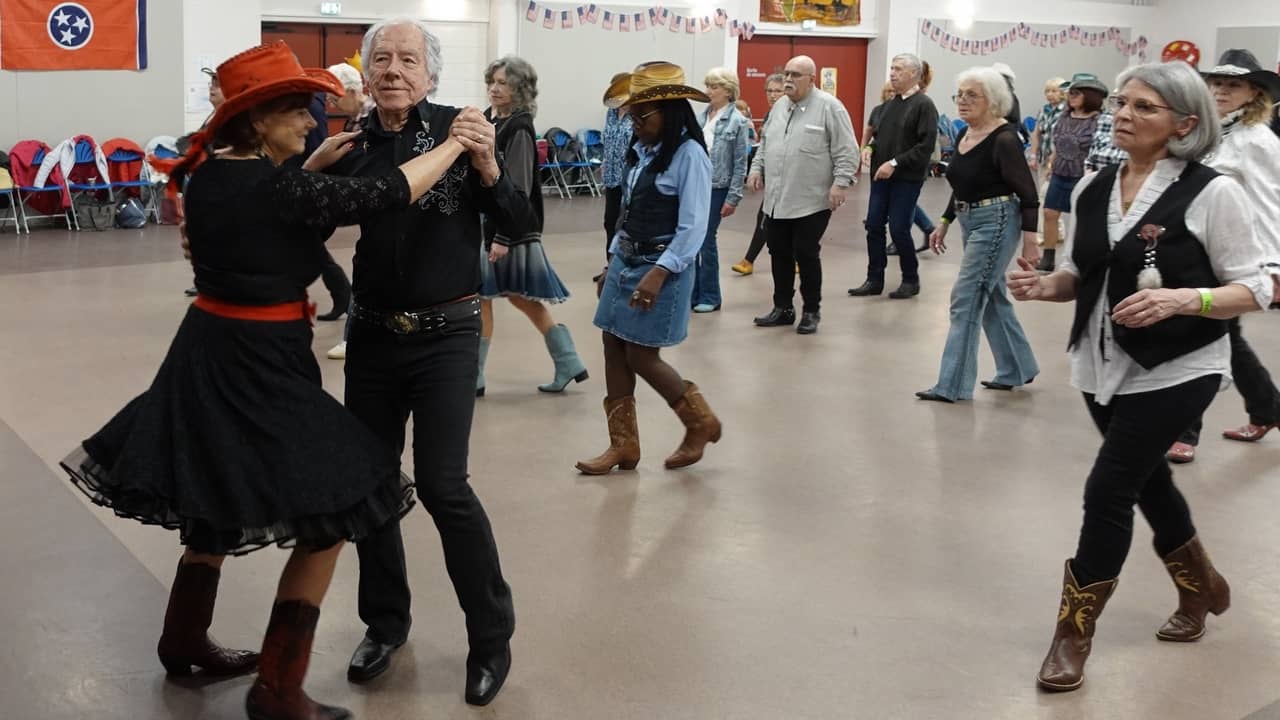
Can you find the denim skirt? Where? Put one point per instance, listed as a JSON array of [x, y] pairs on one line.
[[1058, 196], [665, 324]]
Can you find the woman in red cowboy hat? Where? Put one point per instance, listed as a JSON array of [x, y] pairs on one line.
[[1250, 153], [236, 445]]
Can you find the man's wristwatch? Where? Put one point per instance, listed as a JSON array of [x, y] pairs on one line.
[[893, 162]]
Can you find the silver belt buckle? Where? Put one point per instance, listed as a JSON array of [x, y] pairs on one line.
[[962, 206]]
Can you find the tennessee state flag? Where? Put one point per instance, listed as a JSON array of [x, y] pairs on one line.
[[80, 35]]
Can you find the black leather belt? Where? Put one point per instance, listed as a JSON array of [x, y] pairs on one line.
[[409, 322], [631, 248]]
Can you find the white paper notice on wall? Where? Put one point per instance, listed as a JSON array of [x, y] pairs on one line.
[[198, 98]]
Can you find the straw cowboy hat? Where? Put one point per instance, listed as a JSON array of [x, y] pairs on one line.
[[1243, 65], [656, 81], [619, 89]]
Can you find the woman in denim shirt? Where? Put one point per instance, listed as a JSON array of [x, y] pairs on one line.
[[727, 134]]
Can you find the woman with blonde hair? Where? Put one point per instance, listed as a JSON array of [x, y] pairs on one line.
[[727, 134], [1250, 153]]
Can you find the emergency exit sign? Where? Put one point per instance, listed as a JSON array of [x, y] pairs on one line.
[[330, 8]]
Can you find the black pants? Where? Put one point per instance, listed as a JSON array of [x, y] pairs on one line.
[[797, 241], [1130, 469], [335, 281], [433, 377], [1261, 398], [612, 211], [758, 237]]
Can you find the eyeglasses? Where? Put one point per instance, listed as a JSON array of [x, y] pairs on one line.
[[639, 119], [792, 74], [1141, 108], [969, 96]]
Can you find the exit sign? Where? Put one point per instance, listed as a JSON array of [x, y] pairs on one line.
[[330, 8]]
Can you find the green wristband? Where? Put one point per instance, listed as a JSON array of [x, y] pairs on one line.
[[1206, 300]]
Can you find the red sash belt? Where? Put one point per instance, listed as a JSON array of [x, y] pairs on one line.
[[284, 312]]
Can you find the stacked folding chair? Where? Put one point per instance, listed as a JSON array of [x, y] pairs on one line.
[[575, 173], [127, 168], [547, 169], [42, 191], [592, 144], [89, 180]]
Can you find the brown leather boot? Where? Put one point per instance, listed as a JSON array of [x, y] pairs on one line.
[[1063, 667], [701, 426], [185, 640], [286, 652], [1201, 590], [624, 439]]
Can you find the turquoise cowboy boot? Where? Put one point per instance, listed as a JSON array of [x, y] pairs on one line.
[[569, 367]]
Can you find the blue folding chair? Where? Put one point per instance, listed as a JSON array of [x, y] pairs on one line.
[[88, 186], [568, 159], [146, 189], [7, 192], [26, 192], [592, 144]]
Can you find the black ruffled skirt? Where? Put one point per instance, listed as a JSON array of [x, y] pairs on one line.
[[237, 446]]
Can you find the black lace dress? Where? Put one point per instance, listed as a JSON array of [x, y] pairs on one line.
[[236, 445]]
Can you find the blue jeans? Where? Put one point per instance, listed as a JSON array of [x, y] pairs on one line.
[[892, 202], [706, 283], [922, 220], [979, 299]]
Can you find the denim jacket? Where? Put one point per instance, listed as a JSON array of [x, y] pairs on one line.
[[729, 152]]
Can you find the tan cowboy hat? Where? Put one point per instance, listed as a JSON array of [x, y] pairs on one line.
[[659, 80], [619, 88]]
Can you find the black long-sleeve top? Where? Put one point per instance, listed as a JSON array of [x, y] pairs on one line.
[[907, 132], [257, 231], [429, 252], [992, 168]]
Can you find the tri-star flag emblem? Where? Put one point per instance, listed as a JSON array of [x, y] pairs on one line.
[[71, 26]]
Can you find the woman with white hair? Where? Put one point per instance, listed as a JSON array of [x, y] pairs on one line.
[[727, 134], [1160, 254], [1249, 154], [514, 263], [353, 103], [994, 196]]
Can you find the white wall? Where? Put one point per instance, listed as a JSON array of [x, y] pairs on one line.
[[1191, 20], [374, 10], [212, 31], [898, 24], [1262, 41], [53, 106], [1033, 65]]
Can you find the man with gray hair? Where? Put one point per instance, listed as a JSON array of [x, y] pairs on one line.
[[809, 155], [900, 155], [414, 343]]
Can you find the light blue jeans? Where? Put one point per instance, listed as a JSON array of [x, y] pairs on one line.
[[979, 301]]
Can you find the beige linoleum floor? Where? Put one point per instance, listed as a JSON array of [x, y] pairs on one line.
[[845, 552]]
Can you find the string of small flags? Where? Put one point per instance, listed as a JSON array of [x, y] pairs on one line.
[[1022, 31], [654, 17]]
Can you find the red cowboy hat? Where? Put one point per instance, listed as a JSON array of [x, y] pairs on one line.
[[249, 79], [265, 72]]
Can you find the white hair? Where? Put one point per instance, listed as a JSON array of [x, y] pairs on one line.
[[434, 58], [348, 76], [913, 60], [1186, 94], [999, 99]]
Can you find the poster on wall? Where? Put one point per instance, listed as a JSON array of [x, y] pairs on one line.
[[836, 13], [828, 79], [82, 35]]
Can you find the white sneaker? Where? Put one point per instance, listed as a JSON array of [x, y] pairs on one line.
[[338, 352]]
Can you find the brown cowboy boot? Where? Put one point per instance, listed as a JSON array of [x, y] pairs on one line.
[[185, 640], [624, 439], [1063, 667], [701, 427], [286, 652], [1201, 590]]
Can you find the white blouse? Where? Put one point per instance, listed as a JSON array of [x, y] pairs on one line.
[[1250, 154], [1221, 219], [709, 127]]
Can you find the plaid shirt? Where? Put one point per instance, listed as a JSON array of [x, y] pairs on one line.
[[1048, 118], [1103, 153]]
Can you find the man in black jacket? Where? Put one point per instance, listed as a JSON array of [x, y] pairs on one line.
[[413, 345], [900, 156]]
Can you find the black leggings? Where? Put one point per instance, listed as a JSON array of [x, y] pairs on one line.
[[758, 237], [1261, 398], [1131, 470], [612, 211]]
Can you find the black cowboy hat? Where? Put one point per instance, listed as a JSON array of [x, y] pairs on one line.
[[1242, 64]]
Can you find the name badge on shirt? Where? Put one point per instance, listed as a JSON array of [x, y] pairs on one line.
[[814, 128]]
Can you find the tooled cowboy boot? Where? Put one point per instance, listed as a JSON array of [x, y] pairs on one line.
[[1063, 667], [286, 651], [1201, 590], [185, 640], [701, 426], [624, 439]]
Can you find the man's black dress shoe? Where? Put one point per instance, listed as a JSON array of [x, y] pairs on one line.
[[867, 288], [930, 395], [905, 290], [777, 317], [808, 323], [486, 675], [371, 659]]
